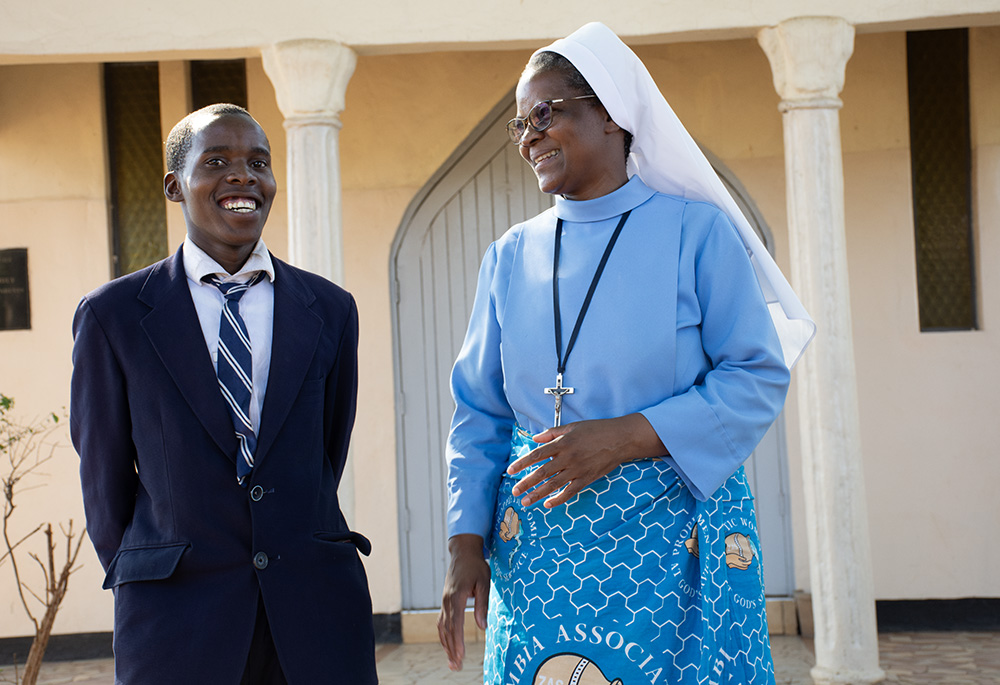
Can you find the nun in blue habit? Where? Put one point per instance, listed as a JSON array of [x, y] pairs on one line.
[[627, 350]]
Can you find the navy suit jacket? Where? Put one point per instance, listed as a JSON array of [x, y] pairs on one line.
[[186, 549]]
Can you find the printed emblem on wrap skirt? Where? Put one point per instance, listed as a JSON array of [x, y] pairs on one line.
[[511, 523], [571, 669]]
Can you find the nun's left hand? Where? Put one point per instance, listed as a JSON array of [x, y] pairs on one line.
[[580, 453]]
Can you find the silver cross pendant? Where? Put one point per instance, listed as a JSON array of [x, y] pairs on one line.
[[558, 393]]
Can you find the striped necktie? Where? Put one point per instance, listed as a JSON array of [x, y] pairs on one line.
[[235, 369]]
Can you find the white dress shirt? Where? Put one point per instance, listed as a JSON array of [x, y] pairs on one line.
[[256, 308]]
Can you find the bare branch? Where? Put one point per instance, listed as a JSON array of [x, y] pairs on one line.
[[50, 577], [35, 595], [24, 450], [17, 574], [12, 547]]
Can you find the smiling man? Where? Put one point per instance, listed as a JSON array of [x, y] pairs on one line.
[[213, 398]]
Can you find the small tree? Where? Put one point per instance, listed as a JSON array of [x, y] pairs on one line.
[[24, 448]]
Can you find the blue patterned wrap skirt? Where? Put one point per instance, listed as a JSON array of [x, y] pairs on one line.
[[632, 582]]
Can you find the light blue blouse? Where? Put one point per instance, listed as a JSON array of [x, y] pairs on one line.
[[677, 330]]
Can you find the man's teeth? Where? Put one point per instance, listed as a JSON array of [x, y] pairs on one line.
[[542, 158], [240, 205]]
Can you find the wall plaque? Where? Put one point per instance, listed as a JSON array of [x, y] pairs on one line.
[[15, 303]]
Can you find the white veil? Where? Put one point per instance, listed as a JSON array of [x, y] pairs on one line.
[[668, 160]]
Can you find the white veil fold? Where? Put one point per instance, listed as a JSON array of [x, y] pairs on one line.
[[669, 161]]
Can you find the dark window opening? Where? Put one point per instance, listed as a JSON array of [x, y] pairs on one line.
[[218, 81], [941, 165], [135, 153]]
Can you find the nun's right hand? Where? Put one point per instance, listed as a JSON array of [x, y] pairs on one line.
[[468, 576]]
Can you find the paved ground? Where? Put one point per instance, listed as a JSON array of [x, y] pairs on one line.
[[954, 658]]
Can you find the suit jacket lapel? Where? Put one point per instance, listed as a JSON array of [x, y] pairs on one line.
[[294, 339], [174, 331]]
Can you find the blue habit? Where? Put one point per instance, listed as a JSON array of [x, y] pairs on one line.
[[678, 331], [631, 578]]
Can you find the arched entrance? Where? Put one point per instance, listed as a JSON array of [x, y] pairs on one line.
[[483, 189]]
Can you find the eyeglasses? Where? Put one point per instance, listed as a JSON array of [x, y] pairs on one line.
[[539, 118]]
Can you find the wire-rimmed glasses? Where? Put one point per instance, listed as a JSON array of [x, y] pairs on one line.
[[539, 118]]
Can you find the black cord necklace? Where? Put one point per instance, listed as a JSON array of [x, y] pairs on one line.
[[558, 391]]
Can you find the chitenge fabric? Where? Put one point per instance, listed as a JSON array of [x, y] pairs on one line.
[[633, 581]]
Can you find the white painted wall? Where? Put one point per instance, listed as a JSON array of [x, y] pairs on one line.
[[52, 201]]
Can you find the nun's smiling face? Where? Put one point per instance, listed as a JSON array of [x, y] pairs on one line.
[[581, 154]]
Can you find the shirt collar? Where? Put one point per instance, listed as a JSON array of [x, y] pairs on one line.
[[617, 202], [198, 264]]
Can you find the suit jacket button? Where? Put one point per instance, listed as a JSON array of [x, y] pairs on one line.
[[256, 493], [260, 561]]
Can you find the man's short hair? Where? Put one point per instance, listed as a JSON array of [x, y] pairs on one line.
[[179, 141]]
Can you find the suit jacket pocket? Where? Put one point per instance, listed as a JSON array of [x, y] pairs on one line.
[[312, 388], [153, 562], [357, 539]]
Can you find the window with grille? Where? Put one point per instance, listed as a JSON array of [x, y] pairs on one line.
[[135, 155], [941, 165], [221, 80]]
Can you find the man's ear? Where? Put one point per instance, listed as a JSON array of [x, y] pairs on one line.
[[172, 187]]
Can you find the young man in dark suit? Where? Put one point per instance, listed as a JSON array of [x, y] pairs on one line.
[[213, 398]]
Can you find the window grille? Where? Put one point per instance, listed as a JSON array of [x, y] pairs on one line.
[[135, 153], [941, 165], [223, 80]]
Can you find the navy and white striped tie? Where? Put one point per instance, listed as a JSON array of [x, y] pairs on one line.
[[235, 369]]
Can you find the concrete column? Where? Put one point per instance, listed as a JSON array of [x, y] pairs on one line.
[[808, 57], [310, 79]]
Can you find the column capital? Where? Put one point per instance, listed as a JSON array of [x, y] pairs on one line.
[[808, 57], [310, 79]]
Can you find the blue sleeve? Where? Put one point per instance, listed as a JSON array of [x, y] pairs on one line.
[[711, 428], [479, 442]]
